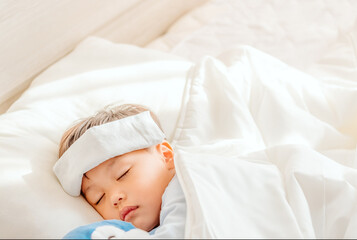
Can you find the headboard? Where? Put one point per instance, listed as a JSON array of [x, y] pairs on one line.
[[37, 33]]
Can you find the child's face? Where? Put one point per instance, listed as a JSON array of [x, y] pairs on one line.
[[129, 187]]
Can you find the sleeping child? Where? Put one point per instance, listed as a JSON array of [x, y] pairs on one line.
[[120, 162]]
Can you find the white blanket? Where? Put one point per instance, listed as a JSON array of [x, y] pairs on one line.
[[266, 151]]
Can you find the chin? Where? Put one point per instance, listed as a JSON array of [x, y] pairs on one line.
[[146, 226]]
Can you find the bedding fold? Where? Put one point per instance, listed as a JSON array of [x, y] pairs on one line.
[[266, 151]]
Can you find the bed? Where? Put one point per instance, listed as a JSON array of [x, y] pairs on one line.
[[261, 93]]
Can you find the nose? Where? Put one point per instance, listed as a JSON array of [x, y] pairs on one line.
[[116, 198]]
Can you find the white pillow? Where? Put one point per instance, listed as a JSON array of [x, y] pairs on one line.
[[97, 73]]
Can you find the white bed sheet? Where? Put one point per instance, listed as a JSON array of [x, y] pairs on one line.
[[300, 33]]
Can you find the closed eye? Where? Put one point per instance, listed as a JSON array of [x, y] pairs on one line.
[[99, 199], [123, 174]]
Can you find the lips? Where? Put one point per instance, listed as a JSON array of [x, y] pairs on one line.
[[125, 211]]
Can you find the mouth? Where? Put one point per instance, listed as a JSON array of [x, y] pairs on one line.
[[127, 212]]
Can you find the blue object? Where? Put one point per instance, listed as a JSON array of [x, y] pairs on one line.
[[85, 232]]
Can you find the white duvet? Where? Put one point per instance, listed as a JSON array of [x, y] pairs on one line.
[[266, 151]]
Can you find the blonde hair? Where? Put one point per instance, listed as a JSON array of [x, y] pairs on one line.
[[108, 114]]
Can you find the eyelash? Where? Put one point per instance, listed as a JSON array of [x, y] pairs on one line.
[[123, 175], [99, 199], [117, 180]]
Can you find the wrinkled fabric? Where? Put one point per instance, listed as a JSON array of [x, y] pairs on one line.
[[266, 151]]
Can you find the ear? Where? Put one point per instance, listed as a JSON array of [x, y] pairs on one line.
[[167, 153]]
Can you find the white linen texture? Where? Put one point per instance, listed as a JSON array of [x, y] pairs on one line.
[[266, 151]]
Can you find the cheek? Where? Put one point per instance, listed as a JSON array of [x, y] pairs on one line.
[[154, 182], [107, 211], [152, 199], [150, 186], [145, 224]]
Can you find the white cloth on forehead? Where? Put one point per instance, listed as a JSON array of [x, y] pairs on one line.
[[103, 142]]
